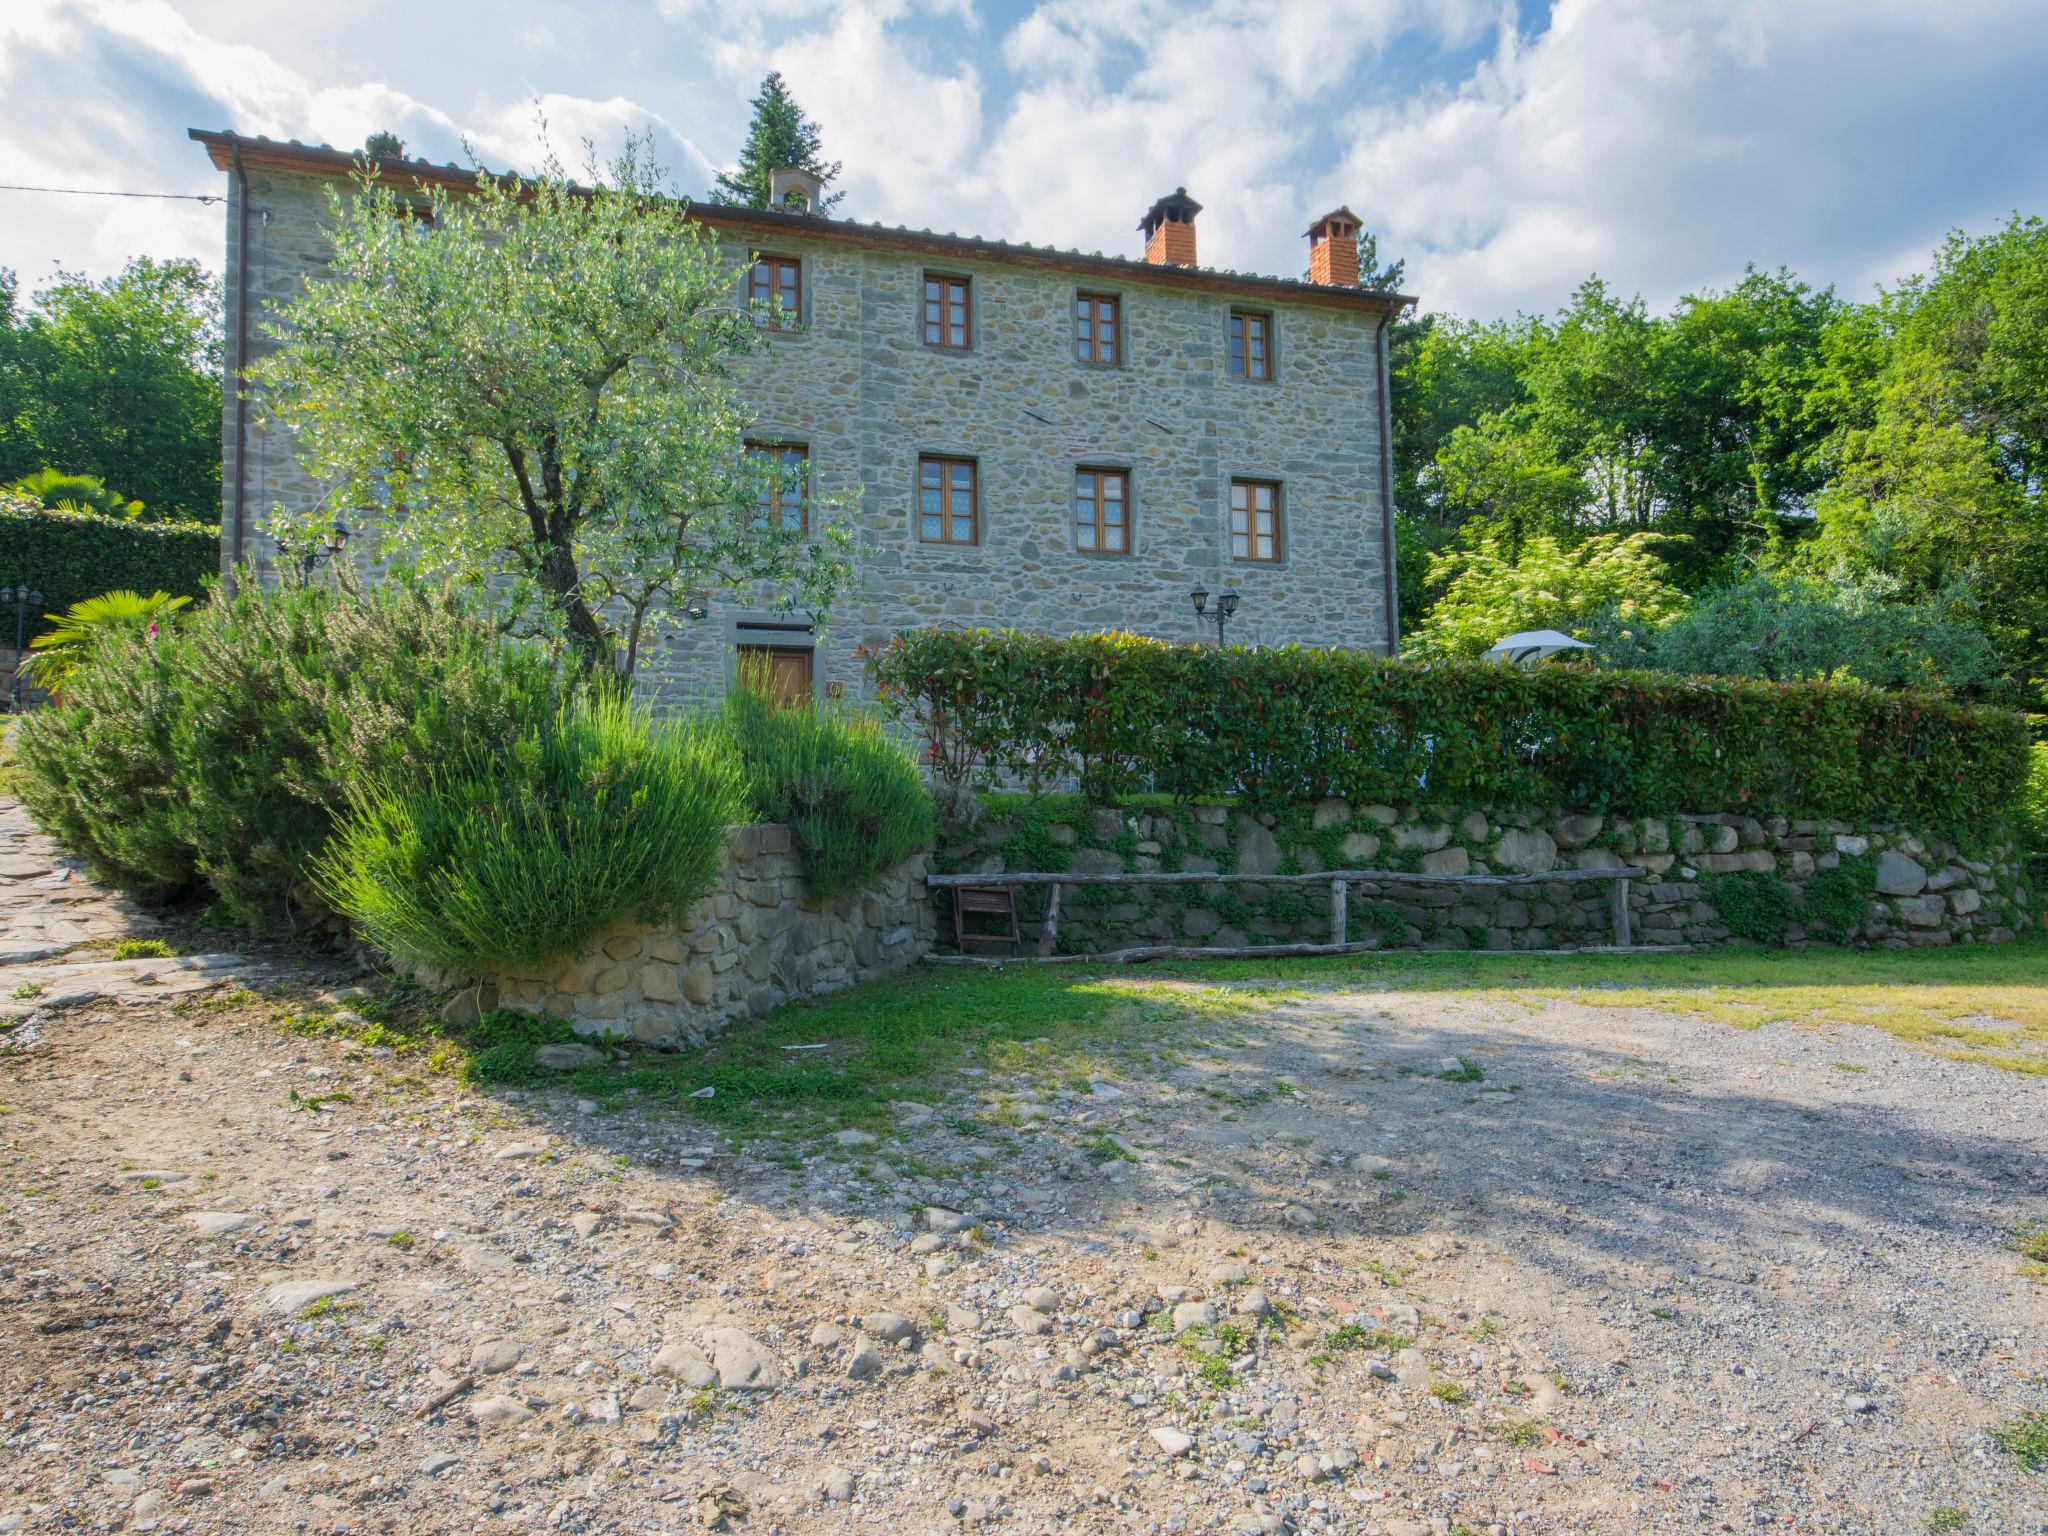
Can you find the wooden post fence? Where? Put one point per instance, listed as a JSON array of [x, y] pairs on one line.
[[1340, 882]]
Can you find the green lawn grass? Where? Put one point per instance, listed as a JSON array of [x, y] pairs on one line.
[[1969, 1002], [840, 1061], [1983, 1003]]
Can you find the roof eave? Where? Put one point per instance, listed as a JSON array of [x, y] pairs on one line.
[[314, 159]]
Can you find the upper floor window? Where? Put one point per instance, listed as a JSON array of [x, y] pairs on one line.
[[1254, 520], [946, 319], [1095, 328], [948, 510], [1102, 520], [1251, 345], [780, 500], [776, 286]]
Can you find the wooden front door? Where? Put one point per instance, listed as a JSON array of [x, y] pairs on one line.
[[783, 670]]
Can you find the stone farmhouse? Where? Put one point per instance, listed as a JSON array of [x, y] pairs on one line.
[[1021, 436]]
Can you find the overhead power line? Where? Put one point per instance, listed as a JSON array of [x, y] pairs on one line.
[[182, 197]]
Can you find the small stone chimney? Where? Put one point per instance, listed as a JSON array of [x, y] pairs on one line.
[[1169, 229], [1333, 249], [795, 189]]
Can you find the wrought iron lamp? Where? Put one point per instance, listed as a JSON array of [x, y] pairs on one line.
[[26, 601], [1226, 607], [327, 547]]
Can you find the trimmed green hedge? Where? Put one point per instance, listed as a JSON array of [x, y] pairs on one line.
[[70, 556], [1120, 715]]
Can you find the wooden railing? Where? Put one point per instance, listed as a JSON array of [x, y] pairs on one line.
[[1338, 880]]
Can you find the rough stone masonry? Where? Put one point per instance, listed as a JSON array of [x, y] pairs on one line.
[[859, 390], [1921, 889], [751, 943]]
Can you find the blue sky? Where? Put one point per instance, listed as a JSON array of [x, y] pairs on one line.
[[1505, 148]]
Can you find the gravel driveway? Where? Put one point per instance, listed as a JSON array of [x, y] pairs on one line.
[[1619, 1272]]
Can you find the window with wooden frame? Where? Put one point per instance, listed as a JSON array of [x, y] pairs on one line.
[[1254, 520], [947, 320], [948, 501], [1251, 344], [1096, 318], [1102, 511], [782, 500], [776, 289]]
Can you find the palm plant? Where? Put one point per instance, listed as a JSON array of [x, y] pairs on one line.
[[61, 492], [73, 633]]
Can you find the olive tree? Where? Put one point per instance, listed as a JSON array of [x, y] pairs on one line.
[[526, 387]]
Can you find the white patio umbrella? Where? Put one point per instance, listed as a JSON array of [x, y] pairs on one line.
[[1533, 645]]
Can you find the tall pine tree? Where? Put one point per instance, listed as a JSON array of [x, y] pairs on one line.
[[779, 136]]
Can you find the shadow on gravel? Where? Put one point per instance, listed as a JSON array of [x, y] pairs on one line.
[[1605, 1154], [1666, 1156]]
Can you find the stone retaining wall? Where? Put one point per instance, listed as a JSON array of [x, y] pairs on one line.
[[1901, 887], [752, 943]]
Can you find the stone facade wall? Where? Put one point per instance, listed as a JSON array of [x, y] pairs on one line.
[[1914, 889], [861, 392], [752, 943]]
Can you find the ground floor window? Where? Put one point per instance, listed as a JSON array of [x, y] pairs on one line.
[[1254, 520], [1102, 518]]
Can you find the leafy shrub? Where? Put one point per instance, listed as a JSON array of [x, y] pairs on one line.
[[71, 556], [1120, 714], [1757, 904], [1836, 900], [96, 770], [595, 814], [221, 753], [1783, 625], [290, 699], [854, 802], [1753, 903]]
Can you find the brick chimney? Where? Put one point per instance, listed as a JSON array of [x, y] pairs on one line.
[[1169, 229], [1333, 249]]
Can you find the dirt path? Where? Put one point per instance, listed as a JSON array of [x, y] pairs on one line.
[[1657, 1273]]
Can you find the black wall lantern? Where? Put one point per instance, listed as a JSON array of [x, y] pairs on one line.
[[1226, 606], [327, 547]]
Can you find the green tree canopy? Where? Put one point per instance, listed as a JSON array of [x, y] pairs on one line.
[[1786, 626], [531, 396], [1494, 585], [779, 137], [118, 379], [1899, 445], [1940, 390]]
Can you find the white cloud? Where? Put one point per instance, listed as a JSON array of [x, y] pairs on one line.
[[1667, 144], [1661, 142], [521, 134], [908, 132], [99, 94]]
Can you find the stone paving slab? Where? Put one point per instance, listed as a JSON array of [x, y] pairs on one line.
[[54, 920]]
